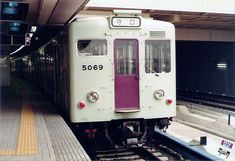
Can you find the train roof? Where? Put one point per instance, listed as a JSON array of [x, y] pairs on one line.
[[146, 23]]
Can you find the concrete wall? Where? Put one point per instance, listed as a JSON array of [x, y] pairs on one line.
[[205, 35]]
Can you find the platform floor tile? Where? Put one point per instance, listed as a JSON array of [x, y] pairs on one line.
[[32, 130], [9, 121]]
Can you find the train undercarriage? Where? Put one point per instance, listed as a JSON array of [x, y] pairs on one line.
[[120, 132]]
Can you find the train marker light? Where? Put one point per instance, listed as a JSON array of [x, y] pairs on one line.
[[81, 104], [169, 101]]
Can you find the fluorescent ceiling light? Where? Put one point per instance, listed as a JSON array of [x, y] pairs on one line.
[[222, 65]]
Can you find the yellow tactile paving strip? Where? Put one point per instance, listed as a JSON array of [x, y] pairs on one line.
[[27, 140]]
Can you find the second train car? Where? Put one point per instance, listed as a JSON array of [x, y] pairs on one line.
[[113, 74]]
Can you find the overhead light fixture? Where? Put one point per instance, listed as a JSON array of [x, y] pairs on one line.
[[222, 65], [33, 29]]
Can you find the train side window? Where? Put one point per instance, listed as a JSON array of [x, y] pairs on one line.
[[92, 47], [157, 56]]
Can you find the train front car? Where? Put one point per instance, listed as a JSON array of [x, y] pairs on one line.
[[122, 74]]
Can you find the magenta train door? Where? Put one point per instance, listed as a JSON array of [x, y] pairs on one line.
[[126, 75]]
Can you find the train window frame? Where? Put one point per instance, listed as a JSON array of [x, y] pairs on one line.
[[166, 58], [90, 54], [130, 67]]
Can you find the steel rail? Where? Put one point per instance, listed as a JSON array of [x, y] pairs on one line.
[[208, 103]]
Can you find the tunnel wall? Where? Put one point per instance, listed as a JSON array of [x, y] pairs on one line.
[[197, 67]]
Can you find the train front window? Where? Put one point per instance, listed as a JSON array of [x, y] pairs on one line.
[[126, 56], [157, 56], [92, 47]]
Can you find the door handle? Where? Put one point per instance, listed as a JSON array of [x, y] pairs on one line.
[[137, 77]]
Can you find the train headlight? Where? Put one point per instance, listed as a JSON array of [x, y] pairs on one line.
[[159, 94], [93, 96]]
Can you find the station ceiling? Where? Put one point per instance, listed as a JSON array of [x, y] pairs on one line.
[[195, 20], [51, 15], [186, 19], [17, 17]]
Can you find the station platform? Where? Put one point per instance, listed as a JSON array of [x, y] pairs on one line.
[[194, 121], [215, 144], [31, 129], [206, 118]]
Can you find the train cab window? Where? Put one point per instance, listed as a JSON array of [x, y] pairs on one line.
[[92, 47], [157, 56]]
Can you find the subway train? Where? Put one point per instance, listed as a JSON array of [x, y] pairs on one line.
[[113, 75]]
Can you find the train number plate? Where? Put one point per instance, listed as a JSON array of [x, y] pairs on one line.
[[92, 67]]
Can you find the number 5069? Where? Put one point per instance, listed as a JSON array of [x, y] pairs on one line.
[[92, 67]]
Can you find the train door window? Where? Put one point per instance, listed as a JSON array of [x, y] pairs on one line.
[[157, 56], [92, 47], [126, 57]]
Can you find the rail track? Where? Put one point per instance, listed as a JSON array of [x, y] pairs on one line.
[[162, 147], [144, 153], [217, 101]]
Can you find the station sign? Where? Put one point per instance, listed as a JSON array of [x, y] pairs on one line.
[[225, 148], [125, 22], [12, 10], [227, 144]]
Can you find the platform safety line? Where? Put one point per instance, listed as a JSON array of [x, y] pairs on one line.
[[27, 139]]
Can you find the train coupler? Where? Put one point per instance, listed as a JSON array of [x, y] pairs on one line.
[[163, 124]]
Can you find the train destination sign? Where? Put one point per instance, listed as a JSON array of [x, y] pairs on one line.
[[134, 22]]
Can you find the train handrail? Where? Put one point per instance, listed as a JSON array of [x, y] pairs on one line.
[[192, 153]]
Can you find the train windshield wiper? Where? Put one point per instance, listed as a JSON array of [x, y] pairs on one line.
[[153, 71]]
